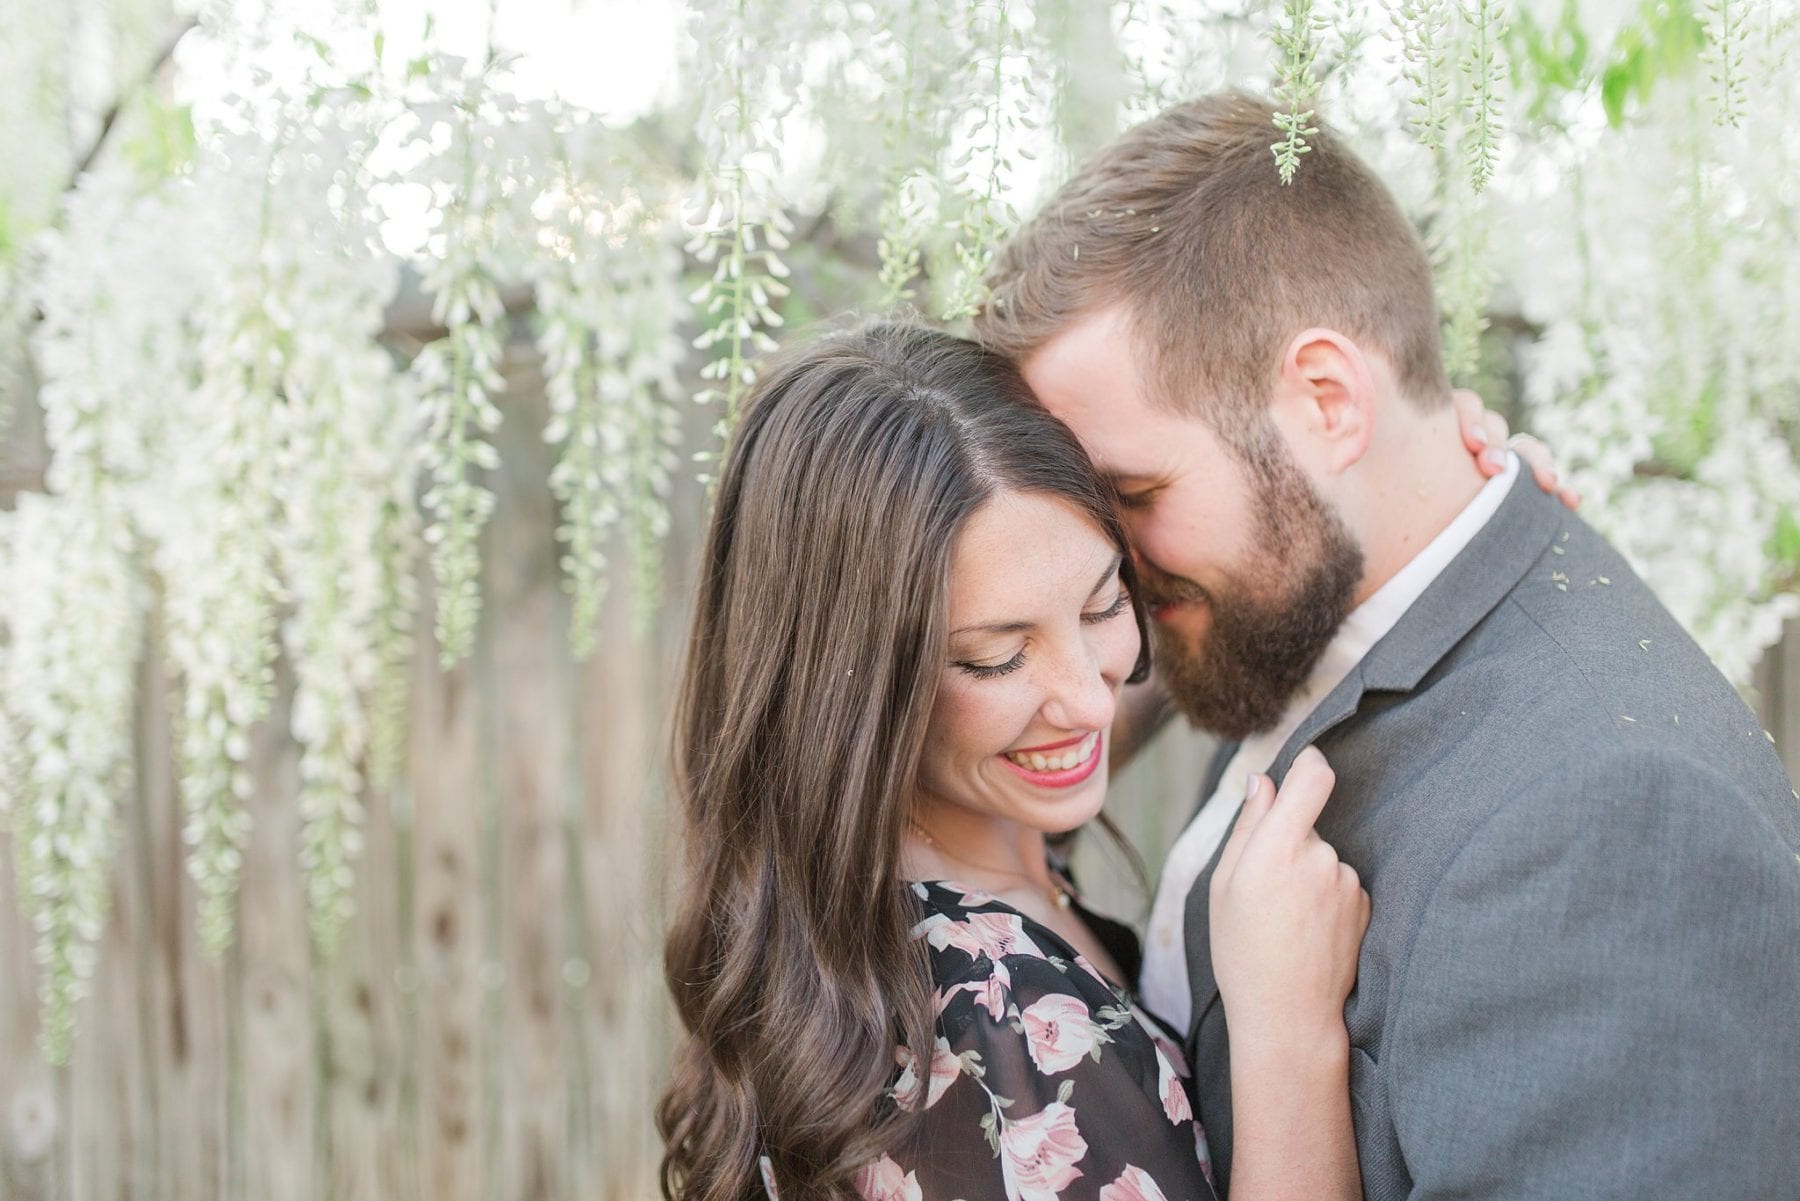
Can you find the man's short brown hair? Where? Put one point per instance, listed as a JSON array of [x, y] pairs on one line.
[[1185, 220]]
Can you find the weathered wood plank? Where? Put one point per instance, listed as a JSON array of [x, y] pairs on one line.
[[445, 771], [527, 644], [361, 1005], [195, 1025], [281, 1140], [31, 1121]]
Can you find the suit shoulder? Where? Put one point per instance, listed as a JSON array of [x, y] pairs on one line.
[[1580, 657]]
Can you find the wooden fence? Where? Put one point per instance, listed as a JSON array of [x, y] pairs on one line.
[[494, 1026]]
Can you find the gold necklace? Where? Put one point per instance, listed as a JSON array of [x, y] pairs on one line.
[[1061, 894]]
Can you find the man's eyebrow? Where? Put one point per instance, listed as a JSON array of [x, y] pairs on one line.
[[1122, 479], [1019, 627]]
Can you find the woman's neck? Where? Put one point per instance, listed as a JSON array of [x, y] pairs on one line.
[[948, 842]]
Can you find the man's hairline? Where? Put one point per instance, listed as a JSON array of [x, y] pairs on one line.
[[1155, 387]]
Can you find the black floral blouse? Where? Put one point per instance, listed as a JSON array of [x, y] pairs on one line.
[[1046, 1082]]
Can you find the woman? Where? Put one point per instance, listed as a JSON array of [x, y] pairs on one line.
[[914, 619]]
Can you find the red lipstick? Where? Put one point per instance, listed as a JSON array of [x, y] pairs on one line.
[[1067, 777], [1048, 746]]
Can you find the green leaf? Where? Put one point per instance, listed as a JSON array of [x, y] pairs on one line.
[[1664, 43], [1615, 84], [1784, 544]]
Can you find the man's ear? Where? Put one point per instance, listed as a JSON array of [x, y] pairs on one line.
[[1325, 400]]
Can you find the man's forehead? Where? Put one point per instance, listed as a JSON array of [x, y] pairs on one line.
[[1103, 334], [1122, 436]]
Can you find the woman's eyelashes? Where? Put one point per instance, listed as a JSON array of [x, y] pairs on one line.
[[989, 671], [1119, 605]]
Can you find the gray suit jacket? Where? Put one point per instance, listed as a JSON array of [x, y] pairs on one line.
[[1582, 974]]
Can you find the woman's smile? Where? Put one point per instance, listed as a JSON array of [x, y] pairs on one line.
[[1058, 764]]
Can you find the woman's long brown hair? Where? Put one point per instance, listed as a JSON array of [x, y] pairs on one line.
[[818, 641]]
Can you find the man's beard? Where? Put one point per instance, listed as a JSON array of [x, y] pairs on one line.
[[1264, 636]]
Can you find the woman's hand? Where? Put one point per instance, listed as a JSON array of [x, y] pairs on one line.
[[1287, 921], [1485, 435], [1287, 916]]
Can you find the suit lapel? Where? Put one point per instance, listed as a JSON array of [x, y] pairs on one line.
[[1338, 705], [1467, 590]]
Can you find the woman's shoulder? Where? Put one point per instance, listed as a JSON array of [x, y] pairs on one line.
[[973, 934], [988, 957]]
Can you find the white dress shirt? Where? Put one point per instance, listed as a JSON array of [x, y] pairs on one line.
[[1164, 983]]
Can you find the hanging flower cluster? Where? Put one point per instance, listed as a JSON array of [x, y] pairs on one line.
[[459, 374], [611, 309], [73, 591], [997, 139], [69, 678], [920, 49], [743, 225], [345, 481], [213, 527]]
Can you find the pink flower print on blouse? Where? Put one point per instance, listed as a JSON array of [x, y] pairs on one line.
[[1038, 1154], [1169, 1050], [945, 1067], [1133, 1184], [990, 991], [1203, 1153], [1058, 1031], [1174, 1097], [884, 1181], [978, 934]]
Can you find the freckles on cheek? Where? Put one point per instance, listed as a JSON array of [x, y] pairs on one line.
[[964, 719]]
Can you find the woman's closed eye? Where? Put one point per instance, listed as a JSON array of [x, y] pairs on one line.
[[989, 671], [1119, 605]]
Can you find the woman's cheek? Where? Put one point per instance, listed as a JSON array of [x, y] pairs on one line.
[[985, 717]]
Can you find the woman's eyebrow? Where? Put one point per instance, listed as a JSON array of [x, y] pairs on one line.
[[1109, 573], [1019, 627], [995, 627]]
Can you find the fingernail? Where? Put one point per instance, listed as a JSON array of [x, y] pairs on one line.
[[1479, 433], [1251, 783], [1494, 456]]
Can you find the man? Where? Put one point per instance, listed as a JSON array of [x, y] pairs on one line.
[[1582, 972]]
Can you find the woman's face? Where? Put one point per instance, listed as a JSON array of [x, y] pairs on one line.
[[1042, 637]]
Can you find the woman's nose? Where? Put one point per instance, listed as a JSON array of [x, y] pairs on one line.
[[1081, 697]]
